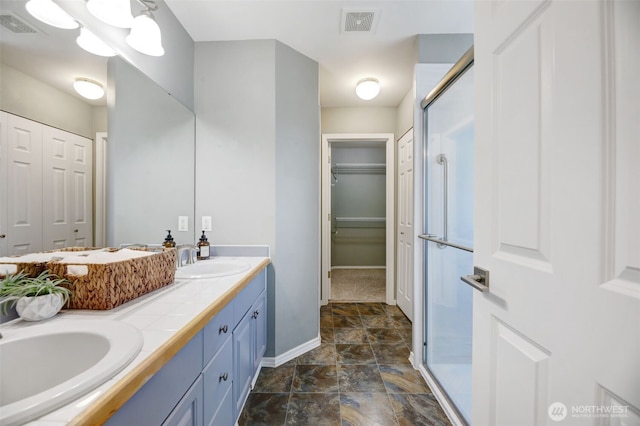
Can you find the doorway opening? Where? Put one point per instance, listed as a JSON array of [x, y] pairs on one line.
[[358, 218]]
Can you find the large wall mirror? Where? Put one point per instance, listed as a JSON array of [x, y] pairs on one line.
[[150, 136]]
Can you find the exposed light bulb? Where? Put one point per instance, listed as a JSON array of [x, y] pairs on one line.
[[89, 89], [51, 14], [92, 44], [368, 88]]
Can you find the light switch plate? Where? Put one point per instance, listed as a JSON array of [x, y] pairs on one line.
[[183, 223], [206, 223]]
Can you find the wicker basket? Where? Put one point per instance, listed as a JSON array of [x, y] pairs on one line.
[[109, 285], [33, 269]]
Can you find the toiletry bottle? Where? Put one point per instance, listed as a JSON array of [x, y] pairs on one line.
[[203, 247], [168, 241]]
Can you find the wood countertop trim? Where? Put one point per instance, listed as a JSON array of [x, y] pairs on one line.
[[117, 395]]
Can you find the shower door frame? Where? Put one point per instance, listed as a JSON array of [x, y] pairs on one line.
[[417, 355], [325, 252]]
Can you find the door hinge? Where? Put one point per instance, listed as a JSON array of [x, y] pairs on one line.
[[329, 217], [329, 274], [329, 157]]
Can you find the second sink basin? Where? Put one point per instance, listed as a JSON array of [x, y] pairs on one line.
[[212, 269], [46, 366]]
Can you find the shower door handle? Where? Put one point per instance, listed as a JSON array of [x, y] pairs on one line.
[[442, 159], [479, 280]]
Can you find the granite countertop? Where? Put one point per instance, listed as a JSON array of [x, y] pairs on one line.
[[167, 318]]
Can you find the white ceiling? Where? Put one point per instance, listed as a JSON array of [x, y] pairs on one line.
[[311, 27]]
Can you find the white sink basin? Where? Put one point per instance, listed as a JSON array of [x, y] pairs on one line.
[[212, 269], [46, 366]]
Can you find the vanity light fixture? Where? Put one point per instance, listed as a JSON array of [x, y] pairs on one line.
[[367, 88], [145, 34], [50, 13], [113, 12], [87, 88], [92, 44]]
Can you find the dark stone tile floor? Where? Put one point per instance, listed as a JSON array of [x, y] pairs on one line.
[[360, 375]]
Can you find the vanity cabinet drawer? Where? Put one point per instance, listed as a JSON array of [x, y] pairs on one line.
[[248, 295], [218, 331], [218, 377]]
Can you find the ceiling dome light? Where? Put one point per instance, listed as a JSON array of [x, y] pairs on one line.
[[145, 35], [367, 88], [89, 89], [50, 13], [113, 12], [92, 44]]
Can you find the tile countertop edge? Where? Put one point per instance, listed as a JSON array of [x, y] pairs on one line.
[[117, 395]]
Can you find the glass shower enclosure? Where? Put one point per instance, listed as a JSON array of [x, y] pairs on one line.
[[448, 238]]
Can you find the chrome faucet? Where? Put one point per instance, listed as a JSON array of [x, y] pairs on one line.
[[190, 249]]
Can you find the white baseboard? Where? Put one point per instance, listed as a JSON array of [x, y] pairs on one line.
[[291, 354], [451, 413]]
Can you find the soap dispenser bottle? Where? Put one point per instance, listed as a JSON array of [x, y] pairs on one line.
[[168, 240], [203, 247]]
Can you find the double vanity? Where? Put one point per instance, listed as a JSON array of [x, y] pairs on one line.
[[185, 354]]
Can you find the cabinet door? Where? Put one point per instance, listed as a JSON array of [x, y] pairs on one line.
[[243, 362], [188, 412], [259, 330]]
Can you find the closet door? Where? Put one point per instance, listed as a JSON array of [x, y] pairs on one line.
[[24, 194], [81, 189], [405, 225], [66, 189], [3, 183]]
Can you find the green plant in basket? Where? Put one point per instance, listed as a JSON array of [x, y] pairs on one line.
[[19, 285]]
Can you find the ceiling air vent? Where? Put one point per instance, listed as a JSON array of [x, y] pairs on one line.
[[15, 25], [358, 21]]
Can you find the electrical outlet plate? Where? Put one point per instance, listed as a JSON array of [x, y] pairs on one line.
[[183, 223], [206, 223]]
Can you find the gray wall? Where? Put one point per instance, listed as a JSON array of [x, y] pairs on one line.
[[257, 170], [23, 95], [359, 120], [297, 310], [150, 152], [442, 48]]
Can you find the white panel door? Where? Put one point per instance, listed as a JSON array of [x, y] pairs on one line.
[[556, 338], [24, 194], [81, 189], [56, 197], [67, 189], [405, 224], [4, 177]]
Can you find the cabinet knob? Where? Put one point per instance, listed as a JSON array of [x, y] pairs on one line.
[[2, 235], [222, 377], [75, 230], [223, 329], [255, 314]]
